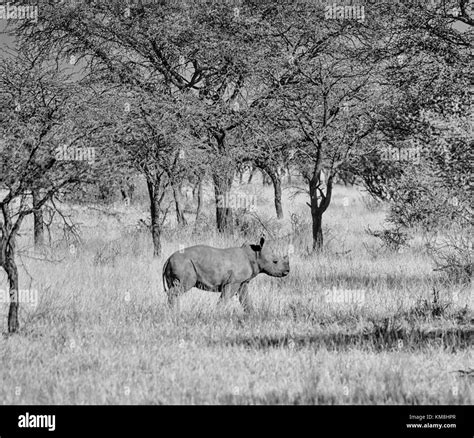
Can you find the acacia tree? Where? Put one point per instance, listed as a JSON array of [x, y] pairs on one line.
[[149, 134], [221, 56], [268, 149], [422, 51], [316, 88], [425, 78], [429, 98], [38, 104], [170, 48]]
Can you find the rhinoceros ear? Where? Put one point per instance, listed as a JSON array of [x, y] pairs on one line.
[[258, 248]]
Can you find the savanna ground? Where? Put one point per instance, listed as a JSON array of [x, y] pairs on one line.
[[102, 333]]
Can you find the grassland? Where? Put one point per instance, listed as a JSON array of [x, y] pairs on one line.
[[101, 331]]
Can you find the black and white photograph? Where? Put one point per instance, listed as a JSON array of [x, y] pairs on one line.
[[237, 202]]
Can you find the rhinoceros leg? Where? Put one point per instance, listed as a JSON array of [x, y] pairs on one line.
[[227, 289], [184, 279], [244, 297], [173, 296]]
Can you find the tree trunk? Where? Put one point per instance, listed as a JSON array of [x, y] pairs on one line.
[[196, 187], [252, 173], [38, 227], [7, 262], [318, 205], [178, 204], [155, 203], [276, 180], [289, 174], [317, 219], [127, 189], [223, 176], [199, 203], [224, 216], [266, 180], [12, 273]]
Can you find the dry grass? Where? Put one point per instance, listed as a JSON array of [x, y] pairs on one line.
[[102, 333]]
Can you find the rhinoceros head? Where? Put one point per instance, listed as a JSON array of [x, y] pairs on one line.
[[272, 259]]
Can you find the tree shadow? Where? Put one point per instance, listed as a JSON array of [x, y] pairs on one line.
[[379, 338]]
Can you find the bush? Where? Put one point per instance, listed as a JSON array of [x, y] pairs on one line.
[[392, 239], [452, 255]]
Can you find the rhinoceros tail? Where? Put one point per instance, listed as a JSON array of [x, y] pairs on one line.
[[165, 285]]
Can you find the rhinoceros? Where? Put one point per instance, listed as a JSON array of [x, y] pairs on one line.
[[224, 270]]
